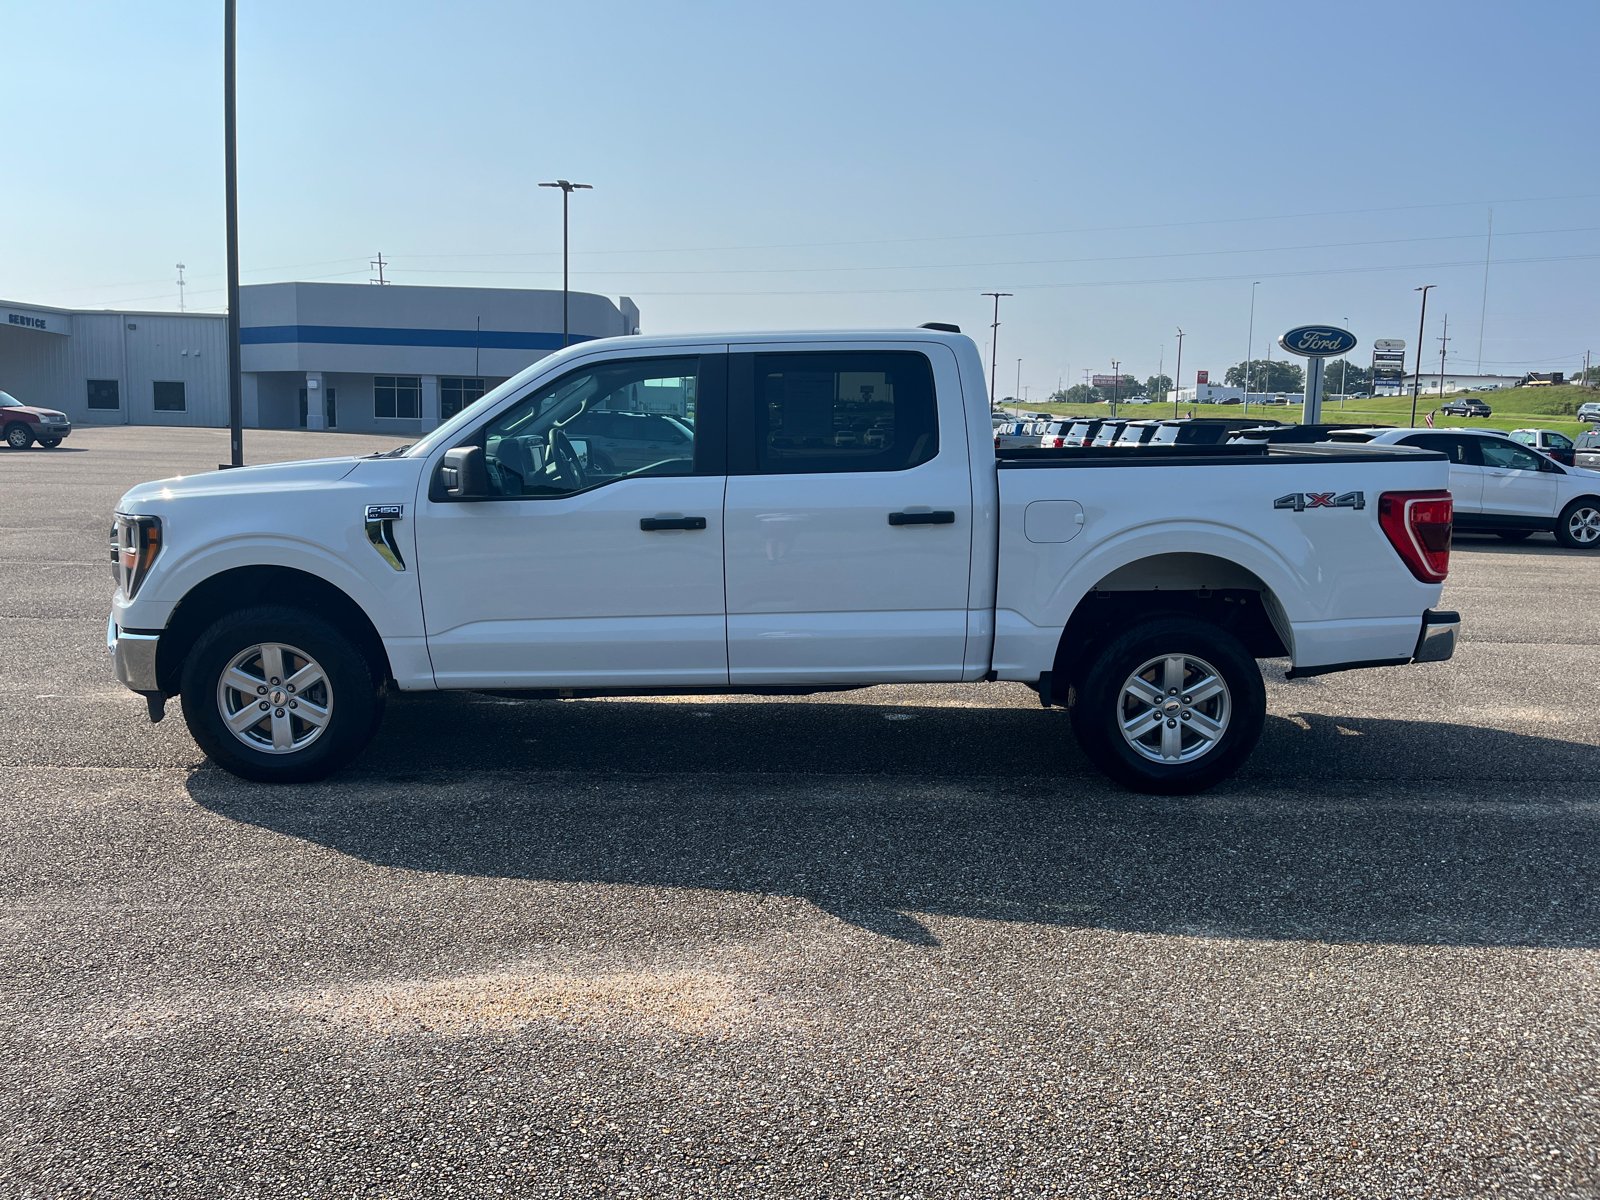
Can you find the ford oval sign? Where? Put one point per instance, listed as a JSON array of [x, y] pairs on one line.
[[1317, 341]]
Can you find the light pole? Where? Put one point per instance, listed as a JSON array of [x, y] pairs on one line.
[[1416, 382], [1344, 370], [1177, 379], [1250, 346], [230, 188], [994, 342], [1018, 386], [1116, 385], [566, 194]]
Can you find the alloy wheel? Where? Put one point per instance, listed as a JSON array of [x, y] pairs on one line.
[[275, 698], [1174, 709], [1583, 526]]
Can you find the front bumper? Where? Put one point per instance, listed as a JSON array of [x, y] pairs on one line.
[[133, 658], [44, 431]]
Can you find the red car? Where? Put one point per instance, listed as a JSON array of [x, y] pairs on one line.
[[21, 424]]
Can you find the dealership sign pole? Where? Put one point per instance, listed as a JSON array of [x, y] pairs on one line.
[[1315, 343]]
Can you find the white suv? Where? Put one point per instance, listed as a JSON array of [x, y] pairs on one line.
[[1505, 488]]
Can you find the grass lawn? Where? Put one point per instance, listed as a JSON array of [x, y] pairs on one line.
[[1514, 408]]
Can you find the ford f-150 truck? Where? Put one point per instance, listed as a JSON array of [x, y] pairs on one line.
[[773, 513]]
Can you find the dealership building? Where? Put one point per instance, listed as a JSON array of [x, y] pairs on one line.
[[354, 357]]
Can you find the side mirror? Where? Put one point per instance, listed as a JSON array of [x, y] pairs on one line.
[[462, 475]]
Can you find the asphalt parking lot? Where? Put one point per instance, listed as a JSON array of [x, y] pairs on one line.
[[896, 942]]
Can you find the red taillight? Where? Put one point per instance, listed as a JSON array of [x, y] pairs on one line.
[[1060, 442], [1418, 527]]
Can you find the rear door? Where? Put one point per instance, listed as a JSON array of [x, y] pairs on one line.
[[848, 523], [1466, 467]]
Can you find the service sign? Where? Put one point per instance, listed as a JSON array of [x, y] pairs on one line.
[[1317, 341], [36, 320]]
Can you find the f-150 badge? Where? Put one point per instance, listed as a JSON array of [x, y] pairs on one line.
[[1300, 501]]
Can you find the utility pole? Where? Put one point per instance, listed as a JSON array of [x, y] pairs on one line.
[[1422, 324], [1177, 377], [1483, 310], [566, 194], [378, 265], [1250, 346], [1344, 370], [1443, 338], [1015, 394], [180, 287], [230, 171], [994, 342]]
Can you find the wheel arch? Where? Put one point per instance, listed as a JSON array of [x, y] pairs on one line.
[[219, 594], [1206, 586]]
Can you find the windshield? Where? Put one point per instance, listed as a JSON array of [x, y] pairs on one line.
[[7, 400]]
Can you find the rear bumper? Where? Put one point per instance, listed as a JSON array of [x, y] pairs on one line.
[[1436, 642]]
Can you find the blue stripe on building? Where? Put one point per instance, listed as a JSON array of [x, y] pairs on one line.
[[346, 335]]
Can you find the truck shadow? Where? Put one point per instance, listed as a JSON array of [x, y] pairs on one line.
[[1472, 836]]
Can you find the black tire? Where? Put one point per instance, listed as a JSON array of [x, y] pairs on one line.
[[354, 693], [1099, 709], [18, 436], [49, 443], [1514, 535], [1578, 526]]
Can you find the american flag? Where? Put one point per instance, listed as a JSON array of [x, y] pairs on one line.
[[1430, 419]]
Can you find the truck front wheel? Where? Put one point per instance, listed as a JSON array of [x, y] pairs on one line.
[[1172, 706], [278, 695]]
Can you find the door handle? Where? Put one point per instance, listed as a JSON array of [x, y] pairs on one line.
[[922, 518], [651, 524]]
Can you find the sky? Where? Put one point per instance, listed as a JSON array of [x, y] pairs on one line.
[[1123, 169]]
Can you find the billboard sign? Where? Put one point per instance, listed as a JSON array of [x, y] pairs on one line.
[[1201, 378], [1389, 345]]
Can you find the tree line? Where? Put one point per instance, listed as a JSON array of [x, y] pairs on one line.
[[1266, 375]]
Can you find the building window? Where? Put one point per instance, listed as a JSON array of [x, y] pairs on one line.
[[456, 394], [103, 393], [397, 396], [169, 397]]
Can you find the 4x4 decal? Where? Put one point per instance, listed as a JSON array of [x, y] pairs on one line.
[[1300, 501]]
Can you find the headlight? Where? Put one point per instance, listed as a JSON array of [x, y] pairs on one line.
[[135, 543]]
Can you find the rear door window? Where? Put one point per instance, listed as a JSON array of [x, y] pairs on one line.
[[1507, 455], [1462, 451], [857, 410]]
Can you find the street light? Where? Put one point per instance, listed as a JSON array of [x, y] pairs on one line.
[[994, 342], [1416, 383], [566, 194], [1177, 380], [1250, 345], [230, 191]]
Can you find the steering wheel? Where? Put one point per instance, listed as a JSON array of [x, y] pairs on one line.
[[568, 469]]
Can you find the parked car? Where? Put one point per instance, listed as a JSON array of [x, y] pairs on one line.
[[23, 424], [1055, 434], [1547, 441], [1137, 433], [1503, 487], [1586, 452], [1468, 407], [1017, 435], [1201, 431], [1589, 410], [1110, 430], [284, 602], [1082, 431]]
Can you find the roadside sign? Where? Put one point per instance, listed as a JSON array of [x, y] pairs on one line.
[[1389, 345], [1317, 341], [1389, 358], [1201, 378]]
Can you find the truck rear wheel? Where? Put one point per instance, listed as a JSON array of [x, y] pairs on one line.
[[1172, 706], [278, 695]]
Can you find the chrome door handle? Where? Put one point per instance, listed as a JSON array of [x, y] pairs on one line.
[[651, 524]]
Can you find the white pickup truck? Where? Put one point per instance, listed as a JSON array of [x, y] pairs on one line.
[[773, 513]]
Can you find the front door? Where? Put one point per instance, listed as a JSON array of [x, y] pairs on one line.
[[1517, 482], [849, 516], [586, 567]]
